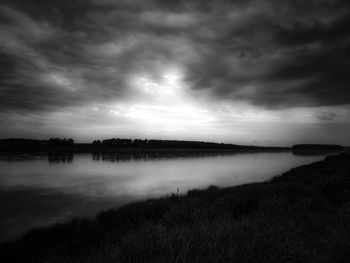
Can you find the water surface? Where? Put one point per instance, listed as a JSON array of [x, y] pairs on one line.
[[39, 190]]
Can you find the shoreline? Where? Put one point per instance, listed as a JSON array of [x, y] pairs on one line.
[[316, 190], [118, 145]]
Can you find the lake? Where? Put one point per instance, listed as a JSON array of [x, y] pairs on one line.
[[37, 190]]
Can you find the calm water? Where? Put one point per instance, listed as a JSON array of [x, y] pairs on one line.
[[40, 190]]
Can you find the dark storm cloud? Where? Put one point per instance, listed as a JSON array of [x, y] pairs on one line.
[[317, 31], [282, 55], [270, 53]]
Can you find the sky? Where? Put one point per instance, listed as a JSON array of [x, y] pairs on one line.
[[271, 72]]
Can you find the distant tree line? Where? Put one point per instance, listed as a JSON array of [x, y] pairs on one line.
[[67, 144]]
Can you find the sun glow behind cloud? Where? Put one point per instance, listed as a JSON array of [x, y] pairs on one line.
[[163, 103]]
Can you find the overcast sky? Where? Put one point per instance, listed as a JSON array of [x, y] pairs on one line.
[[272, 72]]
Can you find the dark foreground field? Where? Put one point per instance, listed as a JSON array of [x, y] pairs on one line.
[[301, 216]]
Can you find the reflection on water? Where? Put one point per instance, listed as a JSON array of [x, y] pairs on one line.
[[315, 152], [60, 158], [26, 207], [43, 189], [153, 156]]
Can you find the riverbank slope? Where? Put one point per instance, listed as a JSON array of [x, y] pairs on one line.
[[300, 216]]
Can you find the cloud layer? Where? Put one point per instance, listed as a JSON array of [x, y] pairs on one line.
[[268, 53], [275, 56]]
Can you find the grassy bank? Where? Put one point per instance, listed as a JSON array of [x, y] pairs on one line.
[[301, 216]]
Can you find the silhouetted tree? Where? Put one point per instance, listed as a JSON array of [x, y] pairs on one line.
[[97, 143]]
